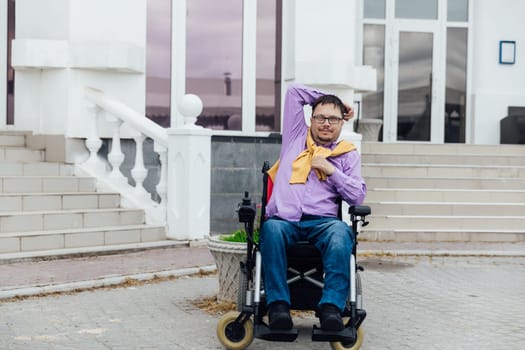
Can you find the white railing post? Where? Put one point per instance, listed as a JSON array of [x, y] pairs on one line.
[[189, 174], [116, 157], [139, 172], [93, 142], [162, 186]]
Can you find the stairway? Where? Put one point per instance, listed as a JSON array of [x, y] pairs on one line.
[[451, 192], [45, 210]]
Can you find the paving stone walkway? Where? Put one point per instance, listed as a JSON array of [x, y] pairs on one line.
[[412, 303]]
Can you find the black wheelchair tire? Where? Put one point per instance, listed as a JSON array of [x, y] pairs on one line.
[[359, 290], [241, 292]]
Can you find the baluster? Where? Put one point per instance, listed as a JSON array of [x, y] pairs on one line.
[[162, 187], [93, 142], [116, 157], [139, 172]]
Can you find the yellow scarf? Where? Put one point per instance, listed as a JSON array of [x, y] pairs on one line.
[[303, 163]]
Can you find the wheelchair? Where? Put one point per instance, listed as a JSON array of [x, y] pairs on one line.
[[237, 329]]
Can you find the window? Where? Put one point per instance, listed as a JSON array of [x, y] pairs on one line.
[[158, 61], [374, 55], [456, 87], [238, 83], [268, 72], [374, 9], [10, 116], [214, 61], [414, 101], [457, 10], [417, 9]]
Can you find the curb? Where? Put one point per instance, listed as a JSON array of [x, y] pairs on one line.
[[102, 282], [6, 258], [17, 292], [442, 253]]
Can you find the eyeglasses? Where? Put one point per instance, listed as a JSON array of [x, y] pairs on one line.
[[320, 119]]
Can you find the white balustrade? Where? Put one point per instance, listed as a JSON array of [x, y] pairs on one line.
[[184, 186]]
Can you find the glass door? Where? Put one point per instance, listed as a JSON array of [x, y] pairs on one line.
[[416, 98]]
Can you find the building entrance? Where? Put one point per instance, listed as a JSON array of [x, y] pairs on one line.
[[419, 49]]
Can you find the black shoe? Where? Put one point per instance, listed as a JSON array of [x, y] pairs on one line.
[[279, 316], [330, 318]]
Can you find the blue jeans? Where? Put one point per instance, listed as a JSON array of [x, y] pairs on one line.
[[331, 236]]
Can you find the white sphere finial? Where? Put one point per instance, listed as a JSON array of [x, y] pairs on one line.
[[190, 107]]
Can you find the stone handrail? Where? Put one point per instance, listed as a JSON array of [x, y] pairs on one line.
[[117, 114], [185, 164]]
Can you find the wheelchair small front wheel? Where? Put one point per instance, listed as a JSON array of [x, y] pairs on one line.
[[234, 335], [355, 346]]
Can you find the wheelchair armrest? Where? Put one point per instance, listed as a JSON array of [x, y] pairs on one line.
[[359, 210]]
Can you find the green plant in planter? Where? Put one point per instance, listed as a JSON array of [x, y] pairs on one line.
[[240, 236]]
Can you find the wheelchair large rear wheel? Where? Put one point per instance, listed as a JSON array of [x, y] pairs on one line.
[[355, 346], [241, 292], [234, 335], [359, 290]]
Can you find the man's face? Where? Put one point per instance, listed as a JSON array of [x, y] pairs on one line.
[[325, 133]]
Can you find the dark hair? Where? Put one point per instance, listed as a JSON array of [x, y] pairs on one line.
[[330, 99]]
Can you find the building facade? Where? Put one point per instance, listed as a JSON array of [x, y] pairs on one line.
[[443, 70], [432, 71]]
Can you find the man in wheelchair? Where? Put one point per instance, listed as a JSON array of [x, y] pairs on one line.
[[313, 174]]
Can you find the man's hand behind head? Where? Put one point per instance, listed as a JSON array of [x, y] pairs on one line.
[[349, 113]]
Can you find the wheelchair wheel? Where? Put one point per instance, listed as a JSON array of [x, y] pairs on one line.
[[234, 335], [353, 346], [359, 290], [358, 293], [241, 292]]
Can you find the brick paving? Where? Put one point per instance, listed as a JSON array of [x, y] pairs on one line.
[[60, 271], [412, 303], [74, 269]]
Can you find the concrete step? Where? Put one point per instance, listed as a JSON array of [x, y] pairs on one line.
[[16, 202], [70, 238], [68, 219], [445, 195], [20, 155], [443, 235], [46, 184], [447, 208], [447, 171], [456, 222], [435, 159], [453, 192], [9, 139], [10, 168], [37, 255], [46, 211], [449, 148], [441, 182]]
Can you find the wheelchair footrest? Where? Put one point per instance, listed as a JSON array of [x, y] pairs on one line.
[[262, 331], [347, 335]]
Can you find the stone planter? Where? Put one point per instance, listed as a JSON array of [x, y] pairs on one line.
[[369, 129], [228, 256]]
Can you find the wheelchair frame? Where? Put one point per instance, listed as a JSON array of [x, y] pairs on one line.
[[236, 330]]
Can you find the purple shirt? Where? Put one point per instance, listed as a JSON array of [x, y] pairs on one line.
[[315, 197]]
